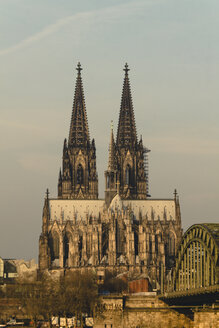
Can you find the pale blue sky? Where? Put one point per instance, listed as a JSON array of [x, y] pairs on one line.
[[172, 48]]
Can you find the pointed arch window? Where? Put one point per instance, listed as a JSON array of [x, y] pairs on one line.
[[136, 242], [158, 239], [54, 246], [105, 239], [171, 244], [80, 175], [156, 243], [107, 181], [128, 175], [80, 247], [67, 238]]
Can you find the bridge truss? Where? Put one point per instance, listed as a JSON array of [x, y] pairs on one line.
[[197, 262]]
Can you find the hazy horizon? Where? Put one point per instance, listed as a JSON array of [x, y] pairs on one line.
[[172, 50]]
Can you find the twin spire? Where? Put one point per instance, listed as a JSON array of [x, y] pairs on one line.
[[78, 178], [79, 132], [126, 133]]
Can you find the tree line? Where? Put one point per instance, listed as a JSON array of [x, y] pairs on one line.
[[73, 294]]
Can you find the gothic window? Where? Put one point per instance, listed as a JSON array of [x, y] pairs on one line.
[[158, 238], [120, 239], [156, 243], [54, 245], [150, 247], [136, 242], [171, 244], [107, 182], [80, 175], [66, 241], [105, 239], [128, 175], [80, 247]]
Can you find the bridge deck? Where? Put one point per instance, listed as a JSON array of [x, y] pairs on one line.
[[191, 292]]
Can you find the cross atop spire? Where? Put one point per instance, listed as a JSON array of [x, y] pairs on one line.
[[79, 68], [126, 69]]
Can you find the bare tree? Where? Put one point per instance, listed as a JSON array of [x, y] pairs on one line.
[[73, 294], [78, 294]]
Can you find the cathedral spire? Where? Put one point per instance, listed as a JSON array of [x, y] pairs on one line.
[[78, 178], [126, 134], [111, 172], [79, 132], [112, 152]]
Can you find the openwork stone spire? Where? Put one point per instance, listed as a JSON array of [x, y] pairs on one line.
[[79, 132], [111, 174], [126, 134], [112, 152], [78, 178]]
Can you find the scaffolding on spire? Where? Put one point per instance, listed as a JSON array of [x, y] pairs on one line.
[[146, 169]]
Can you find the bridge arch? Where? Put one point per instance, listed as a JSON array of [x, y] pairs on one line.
[[197, 260]]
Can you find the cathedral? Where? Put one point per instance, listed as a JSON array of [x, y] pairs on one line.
[[128, 231]]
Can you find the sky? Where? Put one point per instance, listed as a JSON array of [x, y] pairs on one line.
[[172, 48]]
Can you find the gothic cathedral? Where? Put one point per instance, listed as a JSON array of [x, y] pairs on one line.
[[126, 231]]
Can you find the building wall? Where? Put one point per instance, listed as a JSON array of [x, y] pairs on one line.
[[149, 312], [123, 237], [127, 229], [206, 318]]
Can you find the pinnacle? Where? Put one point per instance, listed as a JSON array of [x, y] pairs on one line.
[[47, 193], [126, 134], [79, 132], [112, 162]]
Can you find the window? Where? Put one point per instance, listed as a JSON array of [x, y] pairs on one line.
[[54, 245], [80, 175], [128, 175], [136, 242], [171, 244], [80, 244], [156, 243], [66, 249], [107, 182]]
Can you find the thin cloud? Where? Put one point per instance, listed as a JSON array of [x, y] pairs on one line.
[[107, 14], [44, 33]]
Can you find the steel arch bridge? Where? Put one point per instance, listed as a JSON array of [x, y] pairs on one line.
[[197, 261]]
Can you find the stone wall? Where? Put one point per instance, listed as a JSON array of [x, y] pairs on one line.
[[206, 318], [147, 311]]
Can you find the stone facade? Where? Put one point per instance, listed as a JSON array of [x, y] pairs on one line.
[[78, 177], [126, 231], [126, 170], [147, 311]]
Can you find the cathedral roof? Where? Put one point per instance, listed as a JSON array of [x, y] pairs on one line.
[[67, 209], [152, 209], [79, 132], [126, 134], [116, 203]]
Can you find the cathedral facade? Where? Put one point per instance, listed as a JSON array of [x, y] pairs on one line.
[[127, 231]]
